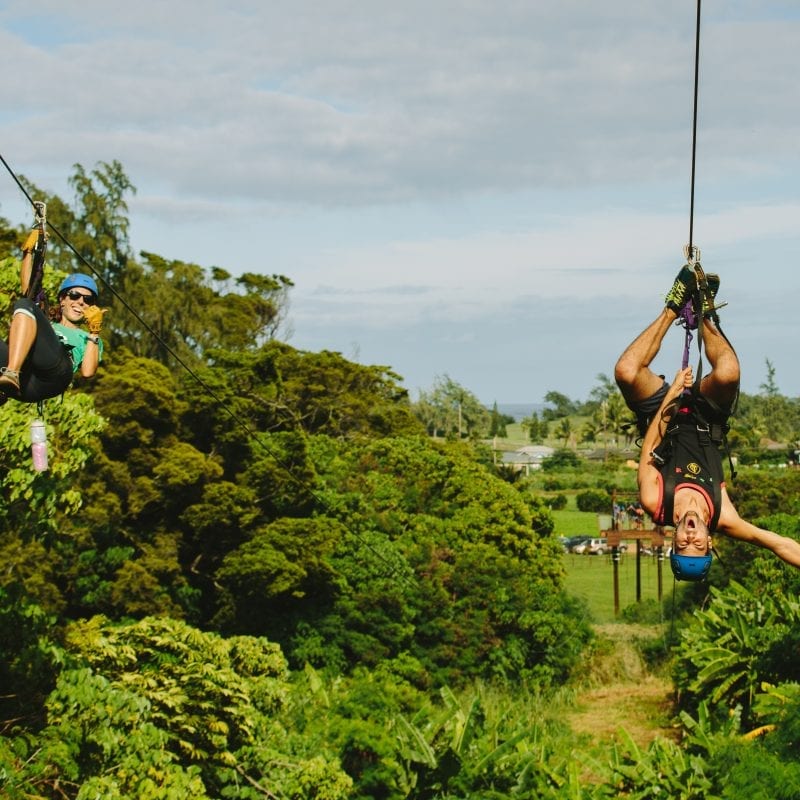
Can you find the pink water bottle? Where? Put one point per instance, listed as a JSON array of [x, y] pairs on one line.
[[39, 445]]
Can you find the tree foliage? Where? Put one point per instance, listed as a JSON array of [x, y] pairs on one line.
[[158, 709], [451, 410], [559, 406], [91, 235], [249, 573]]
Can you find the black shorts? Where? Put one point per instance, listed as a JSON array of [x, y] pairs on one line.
[[47, 371], [708, 410]]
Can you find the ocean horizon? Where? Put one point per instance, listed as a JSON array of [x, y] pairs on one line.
[[519, 410]]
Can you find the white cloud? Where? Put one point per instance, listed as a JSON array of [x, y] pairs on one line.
[[352, 102], [424, 171], [581, 256]]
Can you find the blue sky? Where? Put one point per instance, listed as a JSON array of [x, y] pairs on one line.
[[495, 191]]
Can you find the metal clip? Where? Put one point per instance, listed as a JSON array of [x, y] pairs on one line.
[[691, 254], [657, 458], [40, 210]]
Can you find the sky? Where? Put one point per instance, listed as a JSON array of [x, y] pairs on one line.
[[495, 191]]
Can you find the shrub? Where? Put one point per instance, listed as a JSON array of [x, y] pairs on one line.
[[556, 502], [561, 459], [593, 500]]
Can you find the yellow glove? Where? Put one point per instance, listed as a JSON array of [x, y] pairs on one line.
[[30, 242], [94, 318]]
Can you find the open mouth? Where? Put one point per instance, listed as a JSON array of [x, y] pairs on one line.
[[690, 535]]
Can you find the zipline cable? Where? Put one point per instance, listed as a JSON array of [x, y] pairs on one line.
[[251, 434], [694, 125]]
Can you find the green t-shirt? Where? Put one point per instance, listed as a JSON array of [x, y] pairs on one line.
[[75, 339]]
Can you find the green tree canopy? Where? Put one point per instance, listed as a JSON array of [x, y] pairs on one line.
[[450, 410]]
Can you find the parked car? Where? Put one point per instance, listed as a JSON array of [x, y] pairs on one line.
[[575, 541], [598, 547]]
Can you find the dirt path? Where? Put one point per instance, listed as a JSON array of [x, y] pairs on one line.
[[623, 694], [643, 709]]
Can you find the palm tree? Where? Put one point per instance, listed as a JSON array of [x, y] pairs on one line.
[[564, 430]]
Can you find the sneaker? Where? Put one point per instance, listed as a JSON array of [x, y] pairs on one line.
[[9, 381], [681, 290], [709, 296]]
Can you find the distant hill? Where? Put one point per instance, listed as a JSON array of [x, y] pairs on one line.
[[519, 410]]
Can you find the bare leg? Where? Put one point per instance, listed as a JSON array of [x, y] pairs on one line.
[[21, 336], [632, 372], [722, 383]]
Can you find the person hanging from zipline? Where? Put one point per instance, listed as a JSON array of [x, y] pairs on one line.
[[683, 424], [42, 356]]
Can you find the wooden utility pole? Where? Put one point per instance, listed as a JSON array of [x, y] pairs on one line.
[[639, 533]]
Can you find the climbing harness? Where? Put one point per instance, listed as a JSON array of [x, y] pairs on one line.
[[697, 428], [702, 305], [35, 292]]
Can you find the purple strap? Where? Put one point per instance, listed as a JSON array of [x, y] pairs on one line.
[[689, 321], [686, 347]]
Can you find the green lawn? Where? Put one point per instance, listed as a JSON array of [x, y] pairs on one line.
[[592, 577], [517, 437], [569, 522]]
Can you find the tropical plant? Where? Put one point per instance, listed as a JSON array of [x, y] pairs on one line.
[[729, 649], [665, 769], [157, 709]]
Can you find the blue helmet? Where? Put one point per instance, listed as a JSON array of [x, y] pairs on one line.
[[78, 279], [690, 568]]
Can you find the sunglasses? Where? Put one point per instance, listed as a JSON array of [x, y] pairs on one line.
[[88, 299]]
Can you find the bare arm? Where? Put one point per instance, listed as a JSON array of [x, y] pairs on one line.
[[91, 358], [25, 270], [731, 524], [648, 472], [26, 265]]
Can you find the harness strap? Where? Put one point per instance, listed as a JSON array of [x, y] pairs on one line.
[[691, 317], [718, 432], [35, 291]]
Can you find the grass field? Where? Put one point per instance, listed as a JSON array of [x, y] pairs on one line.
[[569, 522], [517, 437], [592, 577]]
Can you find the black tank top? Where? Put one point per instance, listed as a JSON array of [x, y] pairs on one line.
[[690, 459]]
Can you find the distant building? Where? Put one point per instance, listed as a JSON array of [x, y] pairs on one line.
[[528, 457]]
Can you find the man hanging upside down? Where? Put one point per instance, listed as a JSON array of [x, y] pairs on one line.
[[681, 479]]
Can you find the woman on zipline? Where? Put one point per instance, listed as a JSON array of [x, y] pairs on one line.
[[681, 479], [41, 357]]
